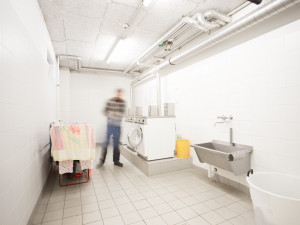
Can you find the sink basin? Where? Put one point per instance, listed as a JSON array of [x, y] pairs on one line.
[[221, 154]]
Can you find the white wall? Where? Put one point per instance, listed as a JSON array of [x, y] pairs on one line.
[[27, 105], [87, 95], [257, 81]]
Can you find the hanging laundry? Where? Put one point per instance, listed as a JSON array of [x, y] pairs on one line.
[[72, 142], [65, 167]]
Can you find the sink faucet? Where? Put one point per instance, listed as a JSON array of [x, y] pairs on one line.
[[230, 137]]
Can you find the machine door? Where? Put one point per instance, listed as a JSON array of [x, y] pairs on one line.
[[135, 136]]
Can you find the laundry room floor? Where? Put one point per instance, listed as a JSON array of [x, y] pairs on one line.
[[116, 196]]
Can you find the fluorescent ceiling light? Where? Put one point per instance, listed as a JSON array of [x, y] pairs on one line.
[[118, 48], [146, 2], [101, 50]]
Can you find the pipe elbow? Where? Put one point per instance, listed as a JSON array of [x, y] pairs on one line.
[[216, 15]]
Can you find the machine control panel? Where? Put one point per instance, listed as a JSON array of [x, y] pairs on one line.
[[141, 120], [129, 119]]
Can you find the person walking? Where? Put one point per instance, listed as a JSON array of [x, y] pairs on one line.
[[114, 111]]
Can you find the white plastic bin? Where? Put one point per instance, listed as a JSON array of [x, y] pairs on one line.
[[275, 197]]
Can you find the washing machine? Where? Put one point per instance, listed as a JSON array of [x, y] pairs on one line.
[[127, 123], [154, 137]]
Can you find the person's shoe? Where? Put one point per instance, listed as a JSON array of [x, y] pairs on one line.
[[99, 164], [118, 164]]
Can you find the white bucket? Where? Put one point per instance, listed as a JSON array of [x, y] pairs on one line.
[[275, 198]]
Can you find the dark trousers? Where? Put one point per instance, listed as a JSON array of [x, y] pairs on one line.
[[115, 133]]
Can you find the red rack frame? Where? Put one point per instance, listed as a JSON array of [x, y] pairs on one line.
[[64, 185]]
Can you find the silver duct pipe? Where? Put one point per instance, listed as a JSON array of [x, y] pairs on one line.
[[119, 72], [261, 13], [199, 21], [173, 29], [213, 14]]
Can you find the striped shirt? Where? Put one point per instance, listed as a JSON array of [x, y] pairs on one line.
[[115, 110]]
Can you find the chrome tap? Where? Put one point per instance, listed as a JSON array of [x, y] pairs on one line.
[[223, 118], [230, 137]]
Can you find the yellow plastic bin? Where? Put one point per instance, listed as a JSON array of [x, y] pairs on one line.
[[182, 148]]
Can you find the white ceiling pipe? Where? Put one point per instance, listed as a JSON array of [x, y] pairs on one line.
[[119, 72], [213, 14], [163, 38], [199, 21], [262, 12], [208, 25]]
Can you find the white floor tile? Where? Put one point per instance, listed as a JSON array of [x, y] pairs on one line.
[[163, 208], [187, 213], [72, 203], [212, 204], [131, 217], [91, 217], [200, 208], [38, 218], [212, 217], [55, 206], [74, 220], [197, 221], [121, 200], [238, 208], [55, 222], [136, 197], [53, 215], [109, 212], [73, 211], [225, 223], [155, 221], [113, 221], [125, 208], [172, 218], [99, 222], [189, 200], [226, 213], [155, 201], [90, 208], [88, 199], [106, 204], [177, 204], [141, 204], [147, 213]]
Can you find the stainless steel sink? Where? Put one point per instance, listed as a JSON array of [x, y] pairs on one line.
[[234, 158]]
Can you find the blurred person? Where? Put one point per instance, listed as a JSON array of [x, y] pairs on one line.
[[114, 111]]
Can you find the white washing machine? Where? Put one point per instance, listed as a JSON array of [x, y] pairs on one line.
[[156, 135], [127, 123]]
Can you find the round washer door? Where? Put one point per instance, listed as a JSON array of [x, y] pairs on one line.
[[135, 136]]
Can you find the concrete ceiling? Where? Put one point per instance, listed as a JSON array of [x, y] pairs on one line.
[[89, 28]]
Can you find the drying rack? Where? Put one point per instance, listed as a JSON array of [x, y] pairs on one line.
[[60, 122]]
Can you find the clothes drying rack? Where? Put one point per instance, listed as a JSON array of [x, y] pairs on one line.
[[59, 123]]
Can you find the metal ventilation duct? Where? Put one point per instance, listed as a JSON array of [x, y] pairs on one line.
[[266, 10]]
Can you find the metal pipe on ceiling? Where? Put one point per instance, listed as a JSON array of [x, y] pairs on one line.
[[171, 31], [205, 22], [119, 72], [257, 15]]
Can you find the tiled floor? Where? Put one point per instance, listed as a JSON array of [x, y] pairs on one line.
[[116, 196]]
